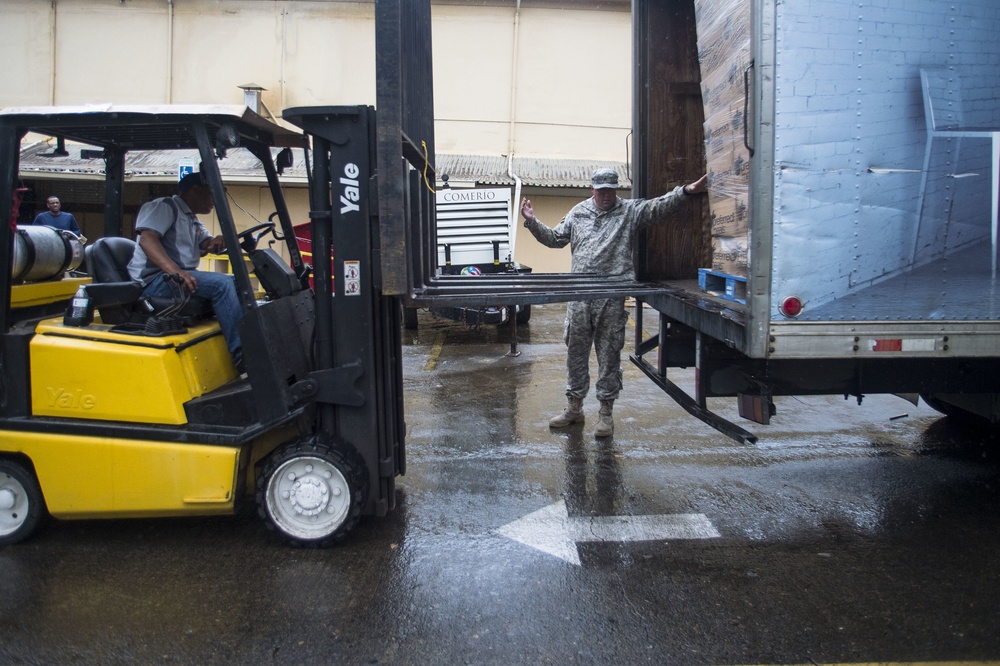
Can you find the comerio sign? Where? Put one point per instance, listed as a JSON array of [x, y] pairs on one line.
[[464, 196], [473, 226]]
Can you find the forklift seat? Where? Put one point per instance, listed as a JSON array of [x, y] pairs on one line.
[[108, 258], [116, 296]]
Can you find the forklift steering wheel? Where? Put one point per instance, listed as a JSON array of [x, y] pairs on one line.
[[247, 239]]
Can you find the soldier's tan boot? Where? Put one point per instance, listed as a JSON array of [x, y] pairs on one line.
[[605, 423], [572, 414]]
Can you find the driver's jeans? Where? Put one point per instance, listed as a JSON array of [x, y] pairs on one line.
[[220, 289]]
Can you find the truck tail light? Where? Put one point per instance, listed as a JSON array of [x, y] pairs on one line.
[[791, 306]]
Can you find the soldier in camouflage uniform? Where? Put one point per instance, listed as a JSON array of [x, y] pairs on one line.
[[600, 232]]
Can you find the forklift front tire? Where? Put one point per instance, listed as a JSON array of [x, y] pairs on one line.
[[311, 492], [21, 504]]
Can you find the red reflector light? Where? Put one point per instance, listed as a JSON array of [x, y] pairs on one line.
[[887, 345], [791, 306]]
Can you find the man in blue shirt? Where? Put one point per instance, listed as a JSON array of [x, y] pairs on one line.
[[55, 217]]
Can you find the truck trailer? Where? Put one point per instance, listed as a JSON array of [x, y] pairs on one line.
[[849, 241]]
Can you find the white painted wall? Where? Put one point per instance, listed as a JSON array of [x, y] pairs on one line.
[[546, 81], [569, 87]]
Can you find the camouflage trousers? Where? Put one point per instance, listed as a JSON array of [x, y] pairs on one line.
[[599, 324]]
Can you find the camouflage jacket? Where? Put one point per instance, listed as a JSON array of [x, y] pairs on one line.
[[601, 242]]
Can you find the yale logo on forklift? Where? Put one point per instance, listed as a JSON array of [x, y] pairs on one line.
[[68, 399], [352, 189], [349, 203]]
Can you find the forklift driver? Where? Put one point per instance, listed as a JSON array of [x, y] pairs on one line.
[[171, 241]]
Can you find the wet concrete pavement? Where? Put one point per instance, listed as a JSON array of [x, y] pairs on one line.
[[846, 534]]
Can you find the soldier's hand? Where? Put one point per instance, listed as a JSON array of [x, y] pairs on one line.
[[698, 186], [526, 209]]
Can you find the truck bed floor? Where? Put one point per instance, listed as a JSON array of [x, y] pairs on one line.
[[958, 287]]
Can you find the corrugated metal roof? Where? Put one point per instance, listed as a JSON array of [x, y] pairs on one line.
[[482, 169], [241, 165], [533, 171]]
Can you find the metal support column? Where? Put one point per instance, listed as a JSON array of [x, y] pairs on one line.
[[114, 184]]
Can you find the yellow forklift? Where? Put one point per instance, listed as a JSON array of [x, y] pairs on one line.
[[113, 405]]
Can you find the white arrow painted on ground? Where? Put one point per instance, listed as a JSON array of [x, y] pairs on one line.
[[552, 531]]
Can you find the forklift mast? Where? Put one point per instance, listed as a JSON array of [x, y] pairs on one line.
[[406, 201], [358, 336]]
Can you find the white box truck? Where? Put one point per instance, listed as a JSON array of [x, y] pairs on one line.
[[849, 241]]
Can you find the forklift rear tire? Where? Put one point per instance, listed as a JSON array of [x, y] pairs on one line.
[[22, 506], [311, 491], [524, 314]]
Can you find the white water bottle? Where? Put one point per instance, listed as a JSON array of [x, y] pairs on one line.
[[80, 313]]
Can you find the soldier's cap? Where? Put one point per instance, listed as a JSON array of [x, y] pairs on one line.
[[190, 180], [604, 178]]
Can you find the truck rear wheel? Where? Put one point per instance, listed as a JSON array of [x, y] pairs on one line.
[[979, 410], [311, 492], [21, 504]]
